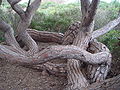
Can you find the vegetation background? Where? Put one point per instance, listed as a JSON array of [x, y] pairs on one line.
[[55, 17]]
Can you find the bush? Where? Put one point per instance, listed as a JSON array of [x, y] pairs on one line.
[[111, 40], [55, 17], [7, 14]]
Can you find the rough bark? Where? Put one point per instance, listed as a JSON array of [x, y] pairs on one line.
[[75, 77], [109, 84], [106, 28], [97, 73], [25, 20], [71, 33], [9, 36], [52, 69], [51, 53], [44, 36]]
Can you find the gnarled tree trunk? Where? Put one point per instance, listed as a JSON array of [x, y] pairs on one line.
[[79, 46]]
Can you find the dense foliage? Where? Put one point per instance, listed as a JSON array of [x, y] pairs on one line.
[[57, 17]]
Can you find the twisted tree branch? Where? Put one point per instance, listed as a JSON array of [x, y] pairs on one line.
[[54, 52]]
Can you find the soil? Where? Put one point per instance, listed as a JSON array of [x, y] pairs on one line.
[[15, 77]]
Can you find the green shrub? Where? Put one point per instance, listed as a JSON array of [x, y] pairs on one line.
[[7, 14], [55, 17], [111, 40]]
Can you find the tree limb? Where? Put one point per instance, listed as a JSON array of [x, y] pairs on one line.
[[9, 34], [51, 68], [17, 8], [28, 3], [109, 84], [106, 28], [45, 36], [54, 52], [90, 13], [84, 6], [25, 22], [97, 73], [32, 8]]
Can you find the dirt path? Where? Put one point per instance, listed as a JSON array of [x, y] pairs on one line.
[[14, 77]]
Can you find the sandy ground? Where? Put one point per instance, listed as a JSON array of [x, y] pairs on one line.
[[14, 77]]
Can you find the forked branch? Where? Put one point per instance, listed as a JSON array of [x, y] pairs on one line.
[[24, 23], [32, 8], [17, 8]]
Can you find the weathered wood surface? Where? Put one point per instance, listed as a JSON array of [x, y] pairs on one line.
[[109, 84]]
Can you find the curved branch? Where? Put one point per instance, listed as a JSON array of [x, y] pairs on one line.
[[44, 36], [24, 24], [70, 52], [54, 52], [106, 28], [97, 73], [94, 71], [9, 34], [17, 8]]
